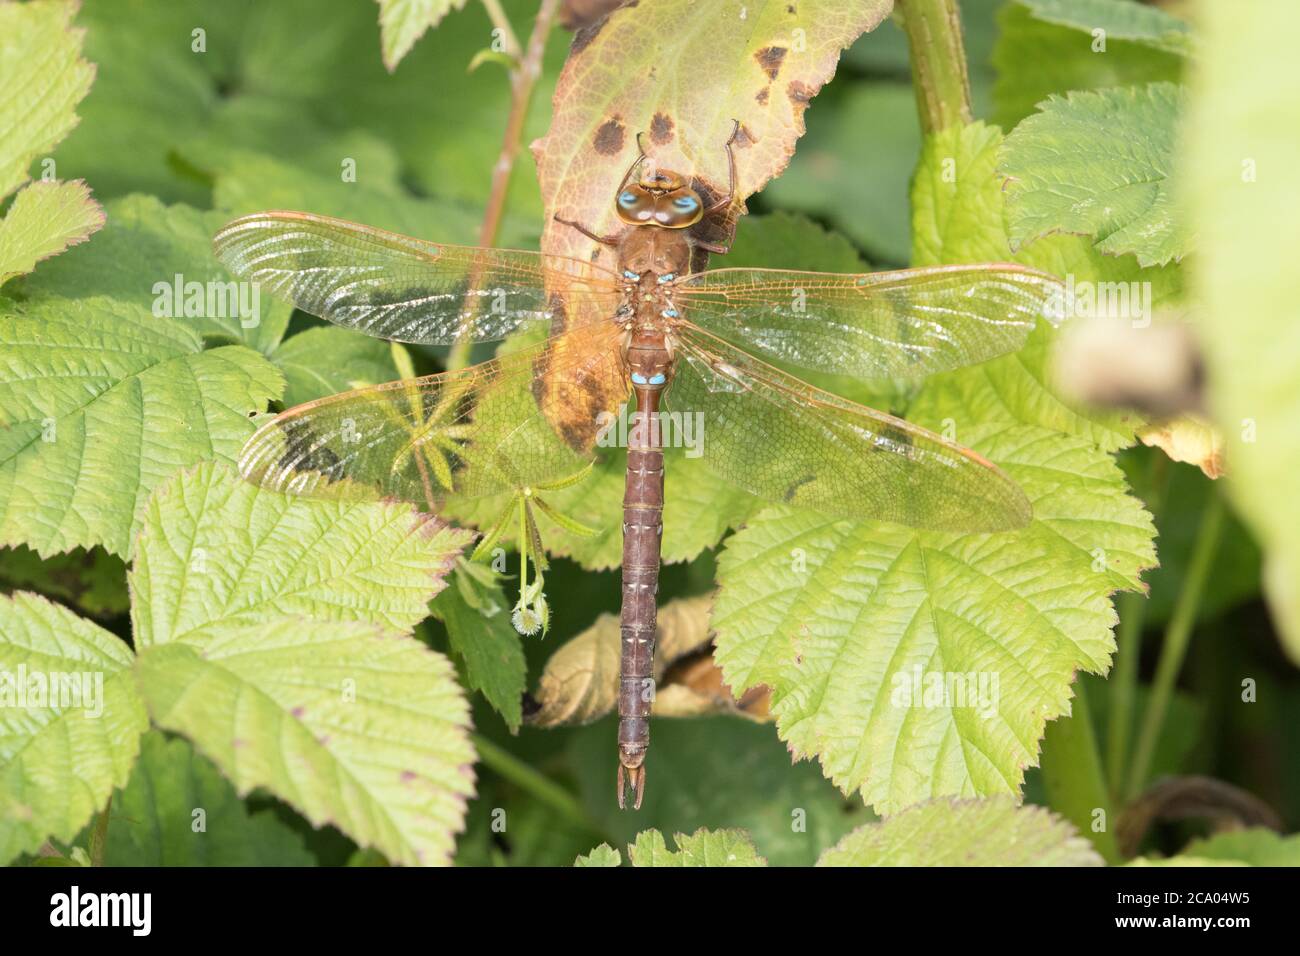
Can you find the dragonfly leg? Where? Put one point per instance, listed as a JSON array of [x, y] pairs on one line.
[[633, 777], [725, 201], [603, 240]]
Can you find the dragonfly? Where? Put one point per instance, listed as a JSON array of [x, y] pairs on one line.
[[651, 335]]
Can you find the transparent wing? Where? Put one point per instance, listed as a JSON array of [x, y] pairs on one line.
[[526, 418], [786, 441], [403, 289], [905, 324]]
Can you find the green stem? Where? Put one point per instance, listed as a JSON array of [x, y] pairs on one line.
[[507, 766], [1177, 636], [933, 29], [1128, 650], [1072, 775], [99, 835]]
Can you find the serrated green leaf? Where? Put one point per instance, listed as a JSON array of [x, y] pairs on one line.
[[60, 756], [215, 551], [402, 22], [1118, 19], [42, 79], [701, 848], [45, 219], [992, 832], [354, 725], [1010, 617], [1035, 59], [100, 403], [1242, 144], [1066, 175], [1253, 847], [957, 217], [488, 645], [324, 360], [137, 259], [177, 810], [603, 855]]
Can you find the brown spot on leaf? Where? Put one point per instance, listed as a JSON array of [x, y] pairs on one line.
[[762, 95], [744, 138], [661, 128], [799, 92], [770, 59], [609, 138]]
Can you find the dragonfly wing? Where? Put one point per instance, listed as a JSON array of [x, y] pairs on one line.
[[905, 324], [498, 426], [786, 441], [407, 290]]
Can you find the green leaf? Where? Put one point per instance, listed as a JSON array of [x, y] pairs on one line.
[[1009, 618], [402, 22], [324, 360], [215, 551], [60, 755], [177, 810], [701, 848], [1242, 144], [354, 725], [603, 855], [958, 210], [749, 67], [103, 401], [1254, 847], [965, 833], [45, 219], [853, 168], [1035, 58], [1064, 174], [1119, 19], [489, 646], [141, 256], [42, 79]]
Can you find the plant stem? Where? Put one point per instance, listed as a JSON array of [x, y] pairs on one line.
[[526, 778], [1128, 651], [1177, 636], [1072, 775], [933, 29], [509, 42], [523, 81], [99, 835]]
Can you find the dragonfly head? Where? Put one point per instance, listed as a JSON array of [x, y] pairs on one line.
[[659, 198]]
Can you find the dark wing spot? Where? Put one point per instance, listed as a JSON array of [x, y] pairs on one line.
[[661, 128], [770, 59], [609, 138], [762, 95], [794, 487]]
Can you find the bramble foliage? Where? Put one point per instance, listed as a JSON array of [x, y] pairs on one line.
[[332, 655]]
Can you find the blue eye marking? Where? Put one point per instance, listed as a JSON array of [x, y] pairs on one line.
[[629, 274], [627, 199], [685, 203], [669, 313], [657, 378]]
